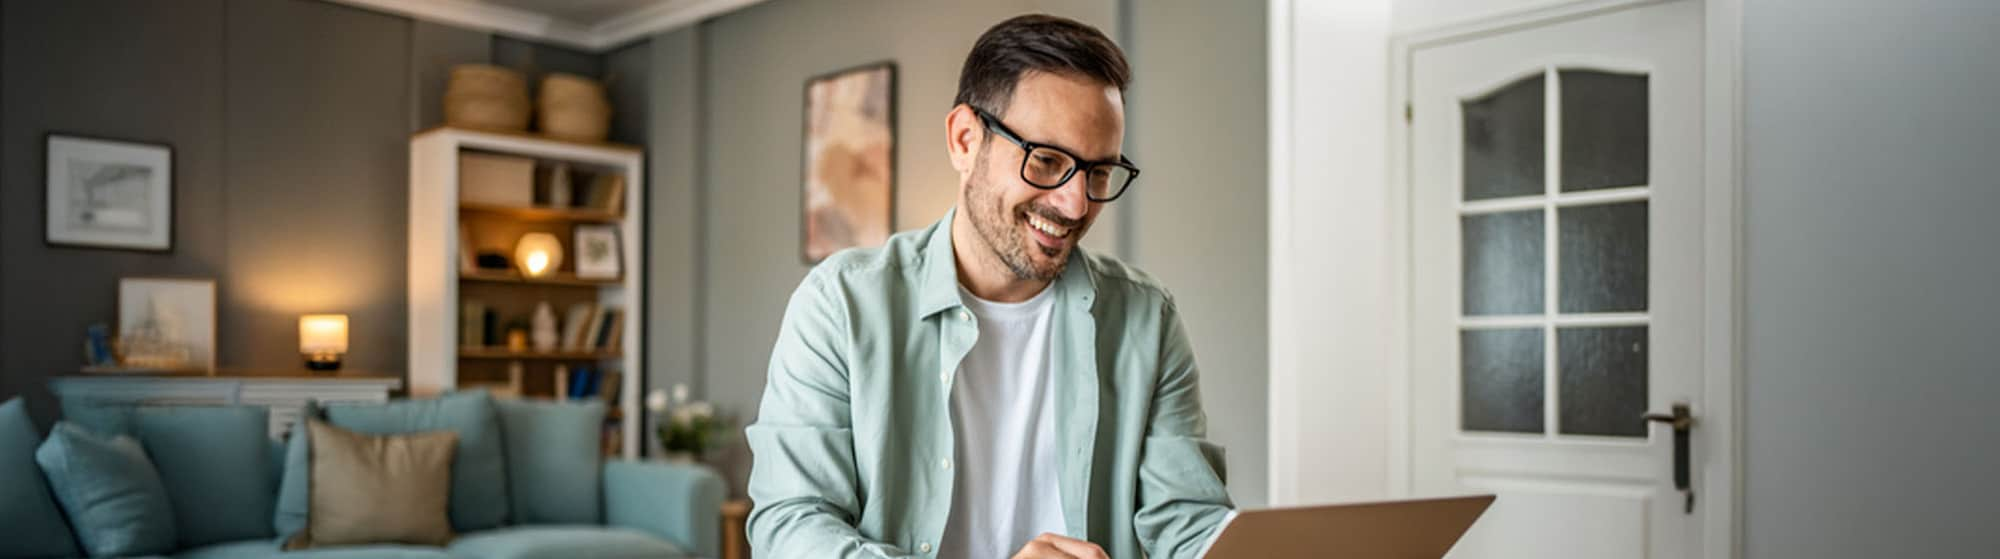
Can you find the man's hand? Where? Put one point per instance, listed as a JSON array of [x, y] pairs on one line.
[[1051, 546]]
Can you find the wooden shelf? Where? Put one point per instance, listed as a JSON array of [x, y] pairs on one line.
[[532, 138], [560, 355], [560, 278], [579, 215]]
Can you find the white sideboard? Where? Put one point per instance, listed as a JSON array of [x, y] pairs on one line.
[[284, 395]]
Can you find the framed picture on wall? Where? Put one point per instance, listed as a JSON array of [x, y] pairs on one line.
[[167, 323], [849, 168], [108, 194]]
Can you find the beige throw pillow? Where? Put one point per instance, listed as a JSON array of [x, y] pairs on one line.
[[377, 489]]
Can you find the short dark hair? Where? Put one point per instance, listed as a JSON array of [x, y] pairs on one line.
[[1036, 42]]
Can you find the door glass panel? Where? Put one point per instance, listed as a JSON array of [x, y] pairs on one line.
[[1602, 381], [1501, 380], [1603, 258], [1504, 142], [1503, 264], [1604, 130]]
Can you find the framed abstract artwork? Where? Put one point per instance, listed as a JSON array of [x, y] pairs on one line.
[[848, 193], [108, 194]]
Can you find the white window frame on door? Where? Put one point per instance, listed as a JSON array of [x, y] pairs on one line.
[[1299, 295]]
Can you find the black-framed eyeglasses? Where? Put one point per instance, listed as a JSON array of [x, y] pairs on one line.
[[1048, 167]]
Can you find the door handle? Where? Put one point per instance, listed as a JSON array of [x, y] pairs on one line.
[[1683, 423]]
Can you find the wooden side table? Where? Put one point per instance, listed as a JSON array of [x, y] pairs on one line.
[[735, 540]]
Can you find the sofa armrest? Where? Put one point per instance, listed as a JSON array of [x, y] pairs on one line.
[[681, 503]]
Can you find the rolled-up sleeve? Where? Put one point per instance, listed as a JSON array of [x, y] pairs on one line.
[[802, 477], [1182, 499]]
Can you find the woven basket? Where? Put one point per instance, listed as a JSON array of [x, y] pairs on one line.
[[573, 108], [486, 97]]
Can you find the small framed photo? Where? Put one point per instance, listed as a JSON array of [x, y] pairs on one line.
[[167, 323], [109, 194], [597, 251]]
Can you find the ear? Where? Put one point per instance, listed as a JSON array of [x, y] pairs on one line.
[[963, 137]]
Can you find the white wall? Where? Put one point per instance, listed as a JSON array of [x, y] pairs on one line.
[[1872, 209], [1332, 274], [1329, 228]]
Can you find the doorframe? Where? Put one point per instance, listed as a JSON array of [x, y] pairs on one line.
[[1720, 479], [1292, 95]]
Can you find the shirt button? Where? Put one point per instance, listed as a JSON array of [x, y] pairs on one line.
[[964, 315], [944, 464], [924, 547]]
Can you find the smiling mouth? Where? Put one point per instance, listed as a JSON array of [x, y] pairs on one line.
[[1050, 235]]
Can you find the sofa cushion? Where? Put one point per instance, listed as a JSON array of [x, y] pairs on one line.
[[216, 464], [529, 542], [109, 490], [290, 514], [104, 418], [267, 549], [553, 461], [377, 489], [34, 527], [478, 474]]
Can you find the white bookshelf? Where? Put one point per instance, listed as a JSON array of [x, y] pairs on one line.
[[436, 286]]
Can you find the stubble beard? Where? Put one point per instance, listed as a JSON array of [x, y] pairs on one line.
[[1003, 236]]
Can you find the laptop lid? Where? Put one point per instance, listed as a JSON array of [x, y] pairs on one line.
[[1412, 529]]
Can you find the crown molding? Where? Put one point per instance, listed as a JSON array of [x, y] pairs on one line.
[[514, 22], [663, 16]]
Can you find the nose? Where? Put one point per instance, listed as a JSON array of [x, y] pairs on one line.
[[1070, 198]]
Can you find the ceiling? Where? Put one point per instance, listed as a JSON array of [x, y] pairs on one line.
[[593, 25]]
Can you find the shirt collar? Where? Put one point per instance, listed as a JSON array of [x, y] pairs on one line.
[[939, 287]]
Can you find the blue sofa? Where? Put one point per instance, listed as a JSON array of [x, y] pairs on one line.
[[527, 481]]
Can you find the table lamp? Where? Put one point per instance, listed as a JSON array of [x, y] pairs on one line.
[[323, 340]]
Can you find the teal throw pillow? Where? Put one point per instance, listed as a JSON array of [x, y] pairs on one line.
[[216, 464], [554, 464], [108, 488], [33, 526], [293, 504]]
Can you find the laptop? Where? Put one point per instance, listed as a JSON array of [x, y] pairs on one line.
[[1413, 529]]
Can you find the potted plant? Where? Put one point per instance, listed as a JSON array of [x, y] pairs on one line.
[[688, 430]]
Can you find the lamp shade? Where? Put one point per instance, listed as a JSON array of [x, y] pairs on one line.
[[323, 333], [538, 254]]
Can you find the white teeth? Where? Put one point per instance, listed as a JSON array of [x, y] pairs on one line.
[[1046, 227]]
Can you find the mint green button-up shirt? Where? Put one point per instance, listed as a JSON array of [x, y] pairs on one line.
[[853, 443]]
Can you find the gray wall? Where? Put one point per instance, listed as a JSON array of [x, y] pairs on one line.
[[1198, 217], [1871, 204], [289, 121], [154, 74], [725, 149]]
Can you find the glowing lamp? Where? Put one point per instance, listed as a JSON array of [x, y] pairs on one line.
[[538, 254], [323, 340]]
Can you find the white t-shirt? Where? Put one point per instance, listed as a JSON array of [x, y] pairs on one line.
[[1005, 491]]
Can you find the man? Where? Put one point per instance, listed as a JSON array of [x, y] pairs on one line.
[[985, 388]]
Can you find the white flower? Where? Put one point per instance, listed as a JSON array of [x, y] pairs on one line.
[[701, 410], [680, 394], [656, 401]]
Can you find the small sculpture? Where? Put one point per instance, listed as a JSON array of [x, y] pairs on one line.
[[545, 327]]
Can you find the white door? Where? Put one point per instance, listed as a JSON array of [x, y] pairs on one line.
[[1556, 213]]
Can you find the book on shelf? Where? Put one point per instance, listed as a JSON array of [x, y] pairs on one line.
[[612, 384], [576, 323], [608, 330], [590, 326], [606, 193], [472, 324], [562, 384]]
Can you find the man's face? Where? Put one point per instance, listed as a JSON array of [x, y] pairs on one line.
[[1032, 230]]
